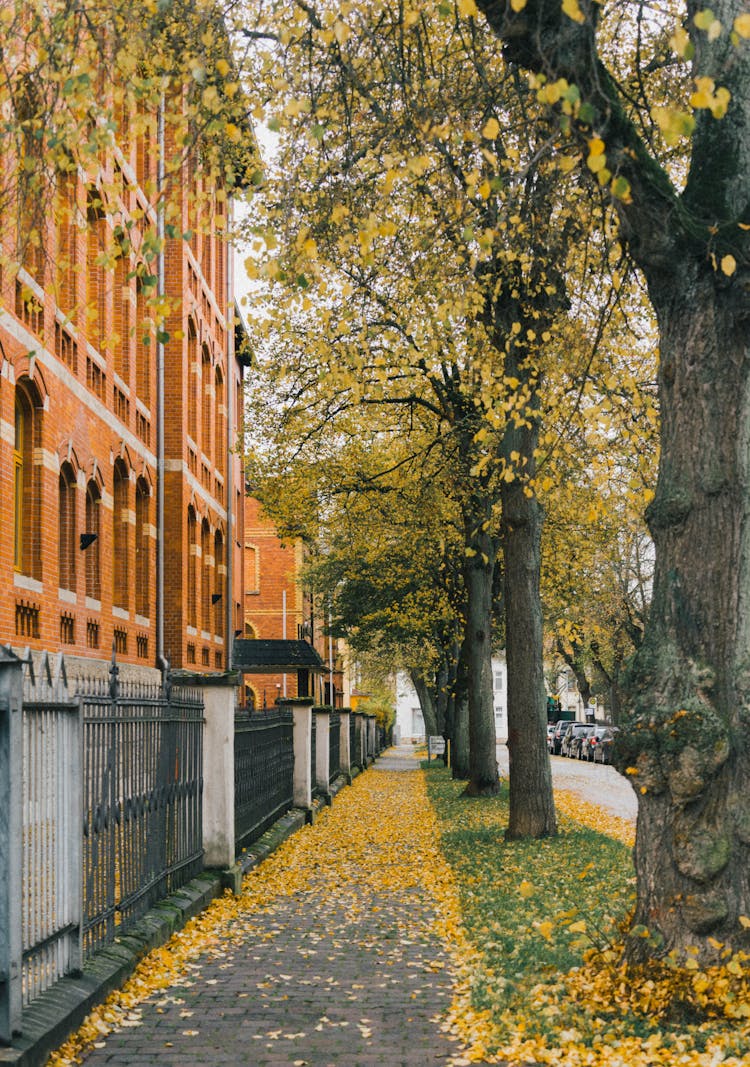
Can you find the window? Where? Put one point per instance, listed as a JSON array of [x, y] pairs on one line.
[[120, 536], [92, 552], [219, 583], [206, 561], [143, 334], [122, 319], [142, 548], [21, 430], [192, 382], [98, 282], [66, 528], [221, 421], [26, 481], [206, 400], [192, 576], [67, 235]]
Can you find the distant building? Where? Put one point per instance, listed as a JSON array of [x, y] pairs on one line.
[[276, 606], [410, 727]]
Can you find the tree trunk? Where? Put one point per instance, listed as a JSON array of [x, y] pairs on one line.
[[478, 572], [426, 696], [460, 757], [686, 746], [532, 808]]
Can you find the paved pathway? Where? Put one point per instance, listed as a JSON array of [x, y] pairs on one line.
[[344, 972]]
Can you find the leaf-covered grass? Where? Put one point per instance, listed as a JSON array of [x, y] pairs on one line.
[[545, 982]]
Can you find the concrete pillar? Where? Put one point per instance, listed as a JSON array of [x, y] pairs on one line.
[[218, 693], [345, 755], [322, 751], [302, 712], [11, 837], [360, 744]]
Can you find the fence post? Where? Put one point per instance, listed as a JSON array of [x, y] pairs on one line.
[[360, 748], [11, 843], [322, 752], [217, 691], [302, 740], [345, 754]]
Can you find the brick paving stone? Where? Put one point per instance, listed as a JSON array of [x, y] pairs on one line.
[[319, 979]]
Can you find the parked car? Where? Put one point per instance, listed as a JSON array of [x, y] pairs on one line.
[[573, 730], [579, 743], [603, 750], [550, 736], [560, 727], [592, 742]]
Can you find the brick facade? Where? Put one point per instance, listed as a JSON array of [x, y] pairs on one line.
[[79, 418], [272, 580]]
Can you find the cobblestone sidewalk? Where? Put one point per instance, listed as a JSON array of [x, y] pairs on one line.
[[347, 970]]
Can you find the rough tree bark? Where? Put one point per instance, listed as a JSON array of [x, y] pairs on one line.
[[460, 758], [532, 808], [686, 738], [478, 575], [426, 696]]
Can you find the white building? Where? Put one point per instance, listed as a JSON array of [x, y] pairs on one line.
[[410, 724]]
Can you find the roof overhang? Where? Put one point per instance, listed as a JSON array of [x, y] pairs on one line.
[[258, 656]]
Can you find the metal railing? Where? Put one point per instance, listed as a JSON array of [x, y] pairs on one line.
[[263, 772], [51, 844], [142, 793]]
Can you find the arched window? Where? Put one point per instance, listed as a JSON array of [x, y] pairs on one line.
[[221, 421], [98, 280], [206, 400], [192, 575], [206, 568], [67, 242], [219, 583], [123, 314], [192, 382], [92, 552], [120, 527], [144, 339], [26, 481], [67, 527], [142, 549]]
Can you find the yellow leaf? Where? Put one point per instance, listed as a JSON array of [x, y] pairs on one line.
[[518, 5], [579, 927], [572, 9], [704, 18], [729, 265], [526, 889], [342, 31], [745, 921], [223, 67], [491, 129], [596, 146], [742, 25], [467, 9], [545, 929]]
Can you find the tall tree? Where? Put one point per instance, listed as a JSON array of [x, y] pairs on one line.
[[687, 227], [431, 213]]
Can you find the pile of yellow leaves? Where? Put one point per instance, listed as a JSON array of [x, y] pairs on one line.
[[588, 1016]]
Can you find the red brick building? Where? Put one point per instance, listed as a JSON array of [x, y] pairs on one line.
[[121, 492], [277, 607]]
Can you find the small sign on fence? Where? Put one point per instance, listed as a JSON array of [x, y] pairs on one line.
[[435, 747]]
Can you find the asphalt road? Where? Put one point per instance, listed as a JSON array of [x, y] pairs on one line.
[[594, 782]]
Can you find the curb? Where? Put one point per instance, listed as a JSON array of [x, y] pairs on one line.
[[60, 1010]]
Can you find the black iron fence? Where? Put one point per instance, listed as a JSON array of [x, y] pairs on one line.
[[263, 772], [142, 794]]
